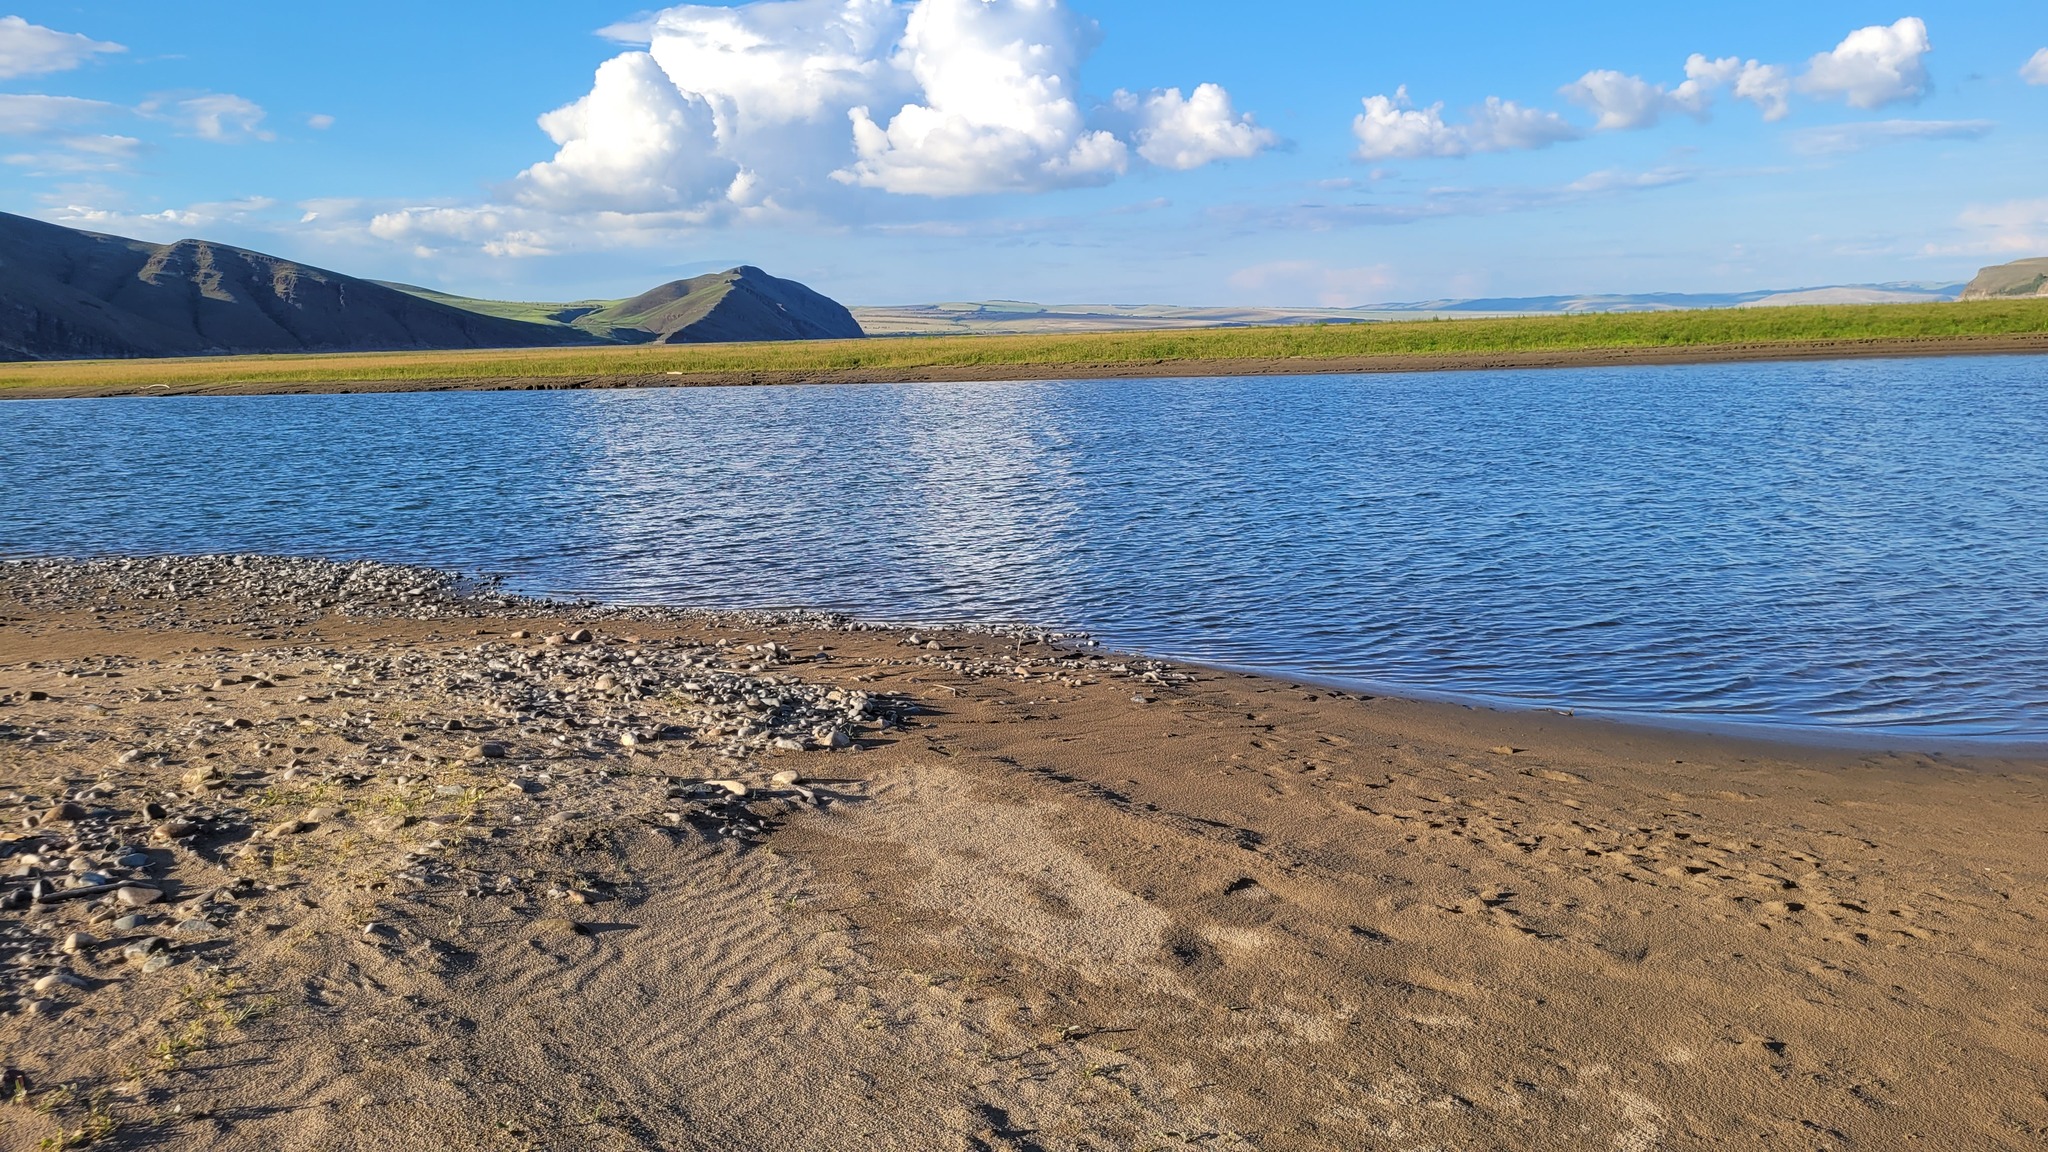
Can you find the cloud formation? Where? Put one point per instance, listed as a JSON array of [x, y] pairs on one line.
[[26, 115], [1873, 66], [1837, 139], [771, 106], [216, 116], [1392, 128], [105, 153], [32, 50], [1181, 134], [2035, 71]]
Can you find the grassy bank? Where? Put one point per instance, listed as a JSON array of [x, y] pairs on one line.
[[1536, 334]]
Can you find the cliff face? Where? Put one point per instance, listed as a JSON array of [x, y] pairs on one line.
[[67, 294], [2020, 278]]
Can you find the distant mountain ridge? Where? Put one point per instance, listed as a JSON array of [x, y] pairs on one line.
[[68, 294], [1016, 317]]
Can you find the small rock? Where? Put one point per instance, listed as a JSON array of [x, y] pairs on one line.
[[194, 927], [130, 922], [56, 980], [785, 779], [129, 757], [284, 828], [556, 926], [490, 750], [144, 948], [65, 813], [785, 744], [78, 942], [134, 860], [520, 634], [578, 636], [733, 787], [134, 897], [158, 962], [1505, 750], [175, 829], [607, 682], [155, 811]]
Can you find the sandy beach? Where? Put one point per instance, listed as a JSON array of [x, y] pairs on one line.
[[308, 856], [1781, 351]]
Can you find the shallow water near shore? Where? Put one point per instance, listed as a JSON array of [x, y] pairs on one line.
[[1854, 547]]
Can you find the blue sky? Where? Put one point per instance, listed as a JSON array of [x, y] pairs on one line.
[[1129, 151]]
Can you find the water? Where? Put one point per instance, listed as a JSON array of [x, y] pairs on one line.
[[1855, 546]]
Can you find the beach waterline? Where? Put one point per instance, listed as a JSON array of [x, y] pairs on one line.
[[1854, 547]]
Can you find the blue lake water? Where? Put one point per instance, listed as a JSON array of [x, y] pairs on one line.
[[1849, 546]]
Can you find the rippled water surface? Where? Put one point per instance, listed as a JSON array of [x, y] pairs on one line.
[[1855, 544]]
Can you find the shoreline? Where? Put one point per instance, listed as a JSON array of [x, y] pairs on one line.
[[410, 863], [1610, 357]]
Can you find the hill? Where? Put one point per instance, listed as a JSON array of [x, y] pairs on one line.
[[72, 295], [78, 295], [2021, 278], [741, 304]]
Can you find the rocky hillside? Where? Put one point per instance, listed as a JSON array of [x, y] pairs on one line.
[[2006, 281], [69, 295], [73, 295]]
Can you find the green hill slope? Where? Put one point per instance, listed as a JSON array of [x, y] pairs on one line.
[[2021, 278]]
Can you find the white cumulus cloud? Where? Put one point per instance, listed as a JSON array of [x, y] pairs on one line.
[[782, 105], [1392, 128], [1623, 101], [1184, 133], [1768, 86], [2036, 70], [999, 112], [1874, 66], [636, 143], [31, 50]]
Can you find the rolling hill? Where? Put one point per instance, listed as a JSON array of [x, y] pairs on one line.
[[66, 294], [741, 304]]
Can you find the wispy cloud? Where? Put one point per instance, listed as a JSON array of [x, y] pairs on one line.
[[27, 115], [218, 116], [1838, 139], [76, 154], [32, 50], [2035, 71], [1448, 201]]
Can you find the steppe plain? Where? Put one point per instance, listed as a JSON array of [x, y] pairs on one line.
[[1832, 332], [313, 856]]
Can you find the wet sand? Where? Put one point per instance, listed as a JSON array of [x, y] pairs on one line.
[[1015, 896], [1786, 351]]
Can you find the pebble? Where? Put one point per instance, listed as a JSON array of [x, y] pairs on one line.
[[65, 813], [130, 922], [144, 948], [134, 860], [194, 927], [283, 828], [56, 980], [785, 779], [135, 897], [578, 636], [490, 751], [79, 941]]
